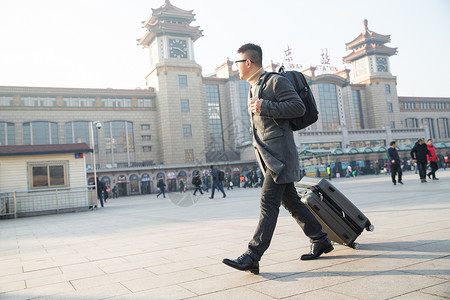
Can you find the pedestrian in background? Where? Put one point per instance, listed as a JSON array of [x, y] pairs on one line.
[[100, 188], [197, 182], [395, 161], [432, 159], [162, 188], [419, 155], [217, 183]]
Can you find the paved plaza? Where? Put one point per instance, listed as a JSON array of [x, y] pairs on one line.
[[142, 247]]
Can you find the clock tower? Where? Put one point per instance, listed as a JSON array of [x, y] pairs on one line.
[[177, 80], [371, 67]]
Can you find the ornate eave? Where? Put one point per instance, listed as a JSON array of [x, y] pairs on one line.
[[163, 27], [367, 43], [169, 19], [370, 49], [169, 11]]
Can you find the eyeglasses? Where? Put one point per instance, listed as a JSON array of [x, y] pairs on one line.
[[242, 60]]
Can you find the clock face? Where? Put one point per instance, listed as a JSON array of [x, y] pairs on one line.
[[177, 48], [382, 64]]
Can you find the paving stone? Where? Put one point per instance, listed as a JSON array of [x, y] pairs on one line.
[[234, 294], [155, 250], [385, 285], [287, 286]]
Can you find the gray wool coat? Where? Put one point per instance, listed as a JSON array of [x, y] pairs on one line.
[[273, 138]]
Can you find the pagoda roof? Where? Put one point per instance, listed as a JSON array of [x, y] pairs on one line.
[[169, 11], [368, 42], [369, 49], [368, 36], [162, 27]]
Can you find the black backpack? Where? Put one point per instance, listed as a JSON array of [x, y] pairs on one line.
[[304, 91], [221, 176]]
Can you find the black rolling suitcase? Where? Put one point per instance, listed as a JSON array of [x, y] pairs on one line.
[[340, 218]]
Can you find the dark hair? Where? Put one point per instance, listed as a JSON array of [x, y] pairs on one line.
[[252, 52], [429, 140], [212, 166], [393, 143]]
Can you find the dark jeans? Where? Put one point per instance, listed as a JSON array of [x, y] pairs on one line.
[[434, 166], [100, 197], [396, 168], [219, 186], [272, 196], [198, 188], [422, 167], [162, 191]]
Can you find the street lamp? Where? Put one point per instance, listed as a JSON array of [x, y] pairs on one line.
[[97, 125]]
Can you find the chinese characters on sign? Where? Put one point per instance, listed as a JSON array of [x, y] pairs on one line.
[[324, 68]]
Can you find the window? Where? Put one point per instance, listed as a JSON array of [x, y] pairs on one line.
[[184, 103], [144, 102], [328, 106], [412, 123], [182, 80], [6, 100], [189, 155], [47, 174], [356, 97], [146, 148], [146, 137], [116, 102], [78, 132], [40, 133], [145, 126], [392, 124], [389, 107], [7, 134], [38, 101], [79, 101], [244, 126], [387, 88], [119, 137], [214, 118], [187, 130]]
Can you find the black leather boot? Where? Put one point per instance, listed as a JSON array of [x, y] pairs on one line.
[[317, 248], [243, 263]]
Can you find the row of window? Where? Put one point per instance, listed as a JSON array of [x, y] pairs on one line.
[[119, 135], [46, 101], [438, 128], [425, 105]]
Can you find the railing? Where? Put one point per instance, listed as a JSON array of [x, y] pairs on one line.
[[46, 200]]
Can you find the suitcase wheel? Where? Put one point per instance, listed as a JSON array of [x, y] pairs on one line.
[[356, 246], [370, 228]]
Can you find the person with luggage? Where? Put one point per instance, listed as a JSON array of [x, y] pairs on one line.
[[395, 161], [218, 177], [197, 182], [277, 157], [419, 155], [432, 159], [162, 188]]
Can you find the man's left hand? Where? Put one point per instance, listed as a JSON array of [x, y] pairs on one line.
[[255, 105]]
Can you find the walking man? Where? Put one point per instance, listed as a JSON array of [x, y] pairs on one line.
[[278, 160], [419, 155], [197, 182], [162, 188], [394, 160], [217, 182], [433, 158]]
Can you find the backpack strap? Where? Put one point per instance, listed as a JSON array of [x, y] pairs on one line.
[[263, 82]]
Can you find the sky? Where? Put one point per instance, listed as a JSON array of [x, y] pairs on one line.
[[92, 43]]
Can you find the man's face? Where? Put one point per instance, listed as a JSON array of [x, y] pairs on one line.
[[243, 67], [393, 146], [421, 142]]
